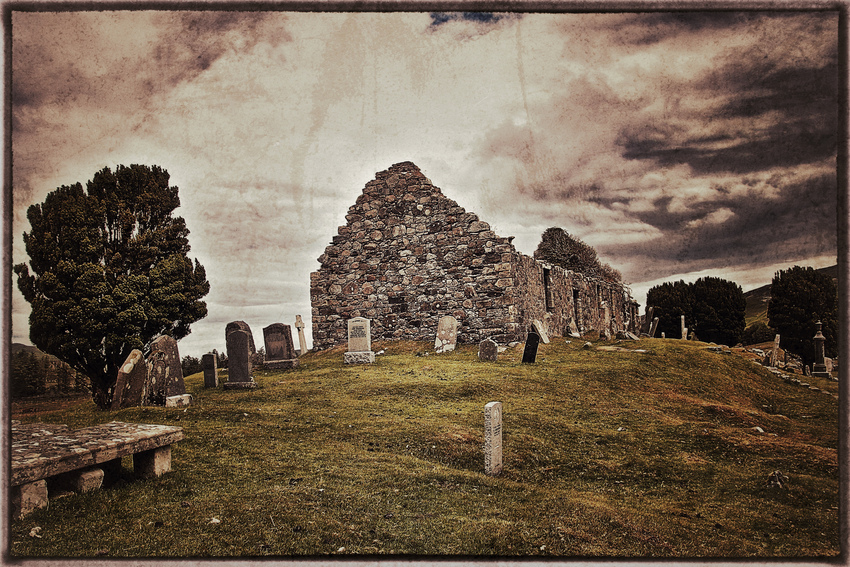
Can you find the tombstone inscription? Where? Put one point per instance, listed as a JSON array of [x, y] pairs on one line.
[[359, 342], [165, 373], [493, 438]]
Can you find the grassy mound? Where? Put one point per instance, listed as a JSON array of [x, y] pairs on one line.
[[613, 453]]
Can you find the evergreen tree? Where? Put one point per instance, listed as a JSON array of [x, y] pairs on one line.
[[671, 300], [799, 297], [757, 333], [559, 248], [191, 365], [718, 314], [110, 272]]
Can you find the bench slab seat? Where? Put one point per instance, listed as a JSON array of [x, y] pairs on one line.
[[79, 458]]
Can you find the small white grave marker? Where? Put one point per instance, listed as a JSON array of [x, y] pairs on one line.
[[493, 438]]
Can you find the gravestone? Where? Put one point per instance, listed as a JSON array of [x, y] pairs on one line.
[[653, 327], [165, 373], [239, 361], [529, 353], [574, 328], [302, 340], [241, 326], [280, 351], [684, 329], [807, 371], [493, 438], [210, 366], [662, 335], [130, 384], [819, 368], [541, 330], [446, 334], [774, 355], [359, 342], [488, 350], [647, 320]]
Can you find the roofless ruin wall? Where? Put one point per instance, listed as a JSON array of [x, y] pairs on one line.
[[409, 255]]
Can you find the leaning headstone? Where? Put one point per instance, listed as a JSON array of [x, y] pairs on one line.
[[210, 366], [774, 355], [239, 361], [302, 340], [165, 373], [493, 438], [359, 342], [241, 326], [529, 353], [446, 338], [488, 350], [574, 328], [280, 351], [647, 320], [130, 384], [541, 330], [653, 327]]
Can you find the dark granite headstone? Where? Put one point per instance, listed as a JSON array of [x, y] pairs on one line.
[[165, 373], [529, 354], [210, 366], [488, 350], [280, 350], [238, 361], [130, 384]]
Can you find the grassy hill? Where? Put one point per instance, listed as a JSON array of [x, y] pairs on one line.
[[757, 298], [606, 453]]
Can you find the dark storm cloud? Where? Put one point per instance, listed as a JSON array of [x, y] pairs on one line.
[[440, 18]]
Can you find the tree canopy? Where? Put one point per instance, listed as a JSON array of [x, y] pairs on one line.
[[110, 271], [799, 297], [558, 247], [714, 309]]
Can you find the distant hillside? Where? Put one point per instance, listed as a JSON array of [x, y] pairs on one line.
[[757, 298], [18, 347]]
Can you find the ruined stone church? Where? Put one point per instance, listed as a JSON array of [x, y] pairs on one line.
[[409, 255]]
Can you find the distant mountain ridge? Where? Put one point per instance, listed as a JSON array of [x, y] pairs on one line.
[[757, 298]]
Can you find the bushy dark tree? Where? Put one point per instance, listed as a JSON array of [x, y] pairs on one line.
[[26, 376], [559, 248], [714, 309], [110, 272], [670, 301], [757, 333], [719, 309], [191, 365], [799, 297]]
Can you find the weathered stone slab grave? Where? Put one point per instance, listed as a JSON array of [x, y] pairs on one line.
[[446, 338], [280, 351], [488, 350], [130, 384], [541, 330], [647, 320], [493, 438], [774, 354], [165, 373], [529, 353], [239, 361], [210, 366], [359, 342], [49, 457], [302, 340], [653, 327]]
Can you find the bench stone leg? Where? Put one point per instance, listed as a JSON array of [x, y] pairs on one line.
[[28, 497], [155, 462], [111, 470], [83, 480]]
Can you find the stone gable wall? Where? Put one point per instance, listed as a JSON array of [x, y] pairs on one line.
[[409, 255]]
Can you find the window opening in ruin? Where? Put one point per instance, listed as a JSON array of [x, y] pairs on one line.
[[547, 290], [577, 308]]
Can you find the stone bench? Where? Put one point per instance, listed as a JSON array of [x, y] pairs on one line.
[[48, 454]]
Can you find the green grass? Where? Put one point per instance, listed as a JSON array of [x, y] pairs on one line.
[[606, 454]]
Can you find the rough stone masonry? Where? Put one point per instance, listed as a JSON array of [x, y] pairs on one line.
[[409, 255]]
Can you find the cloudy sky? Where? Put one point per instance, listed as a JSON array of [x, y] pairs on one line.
[[678, 145]]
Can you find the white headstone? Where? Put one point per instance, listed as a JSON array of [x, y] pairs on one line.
[[541, 330], [446, 334], [302, 340], [493, 438], [359, 342], [775, 353], [684, 329]]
